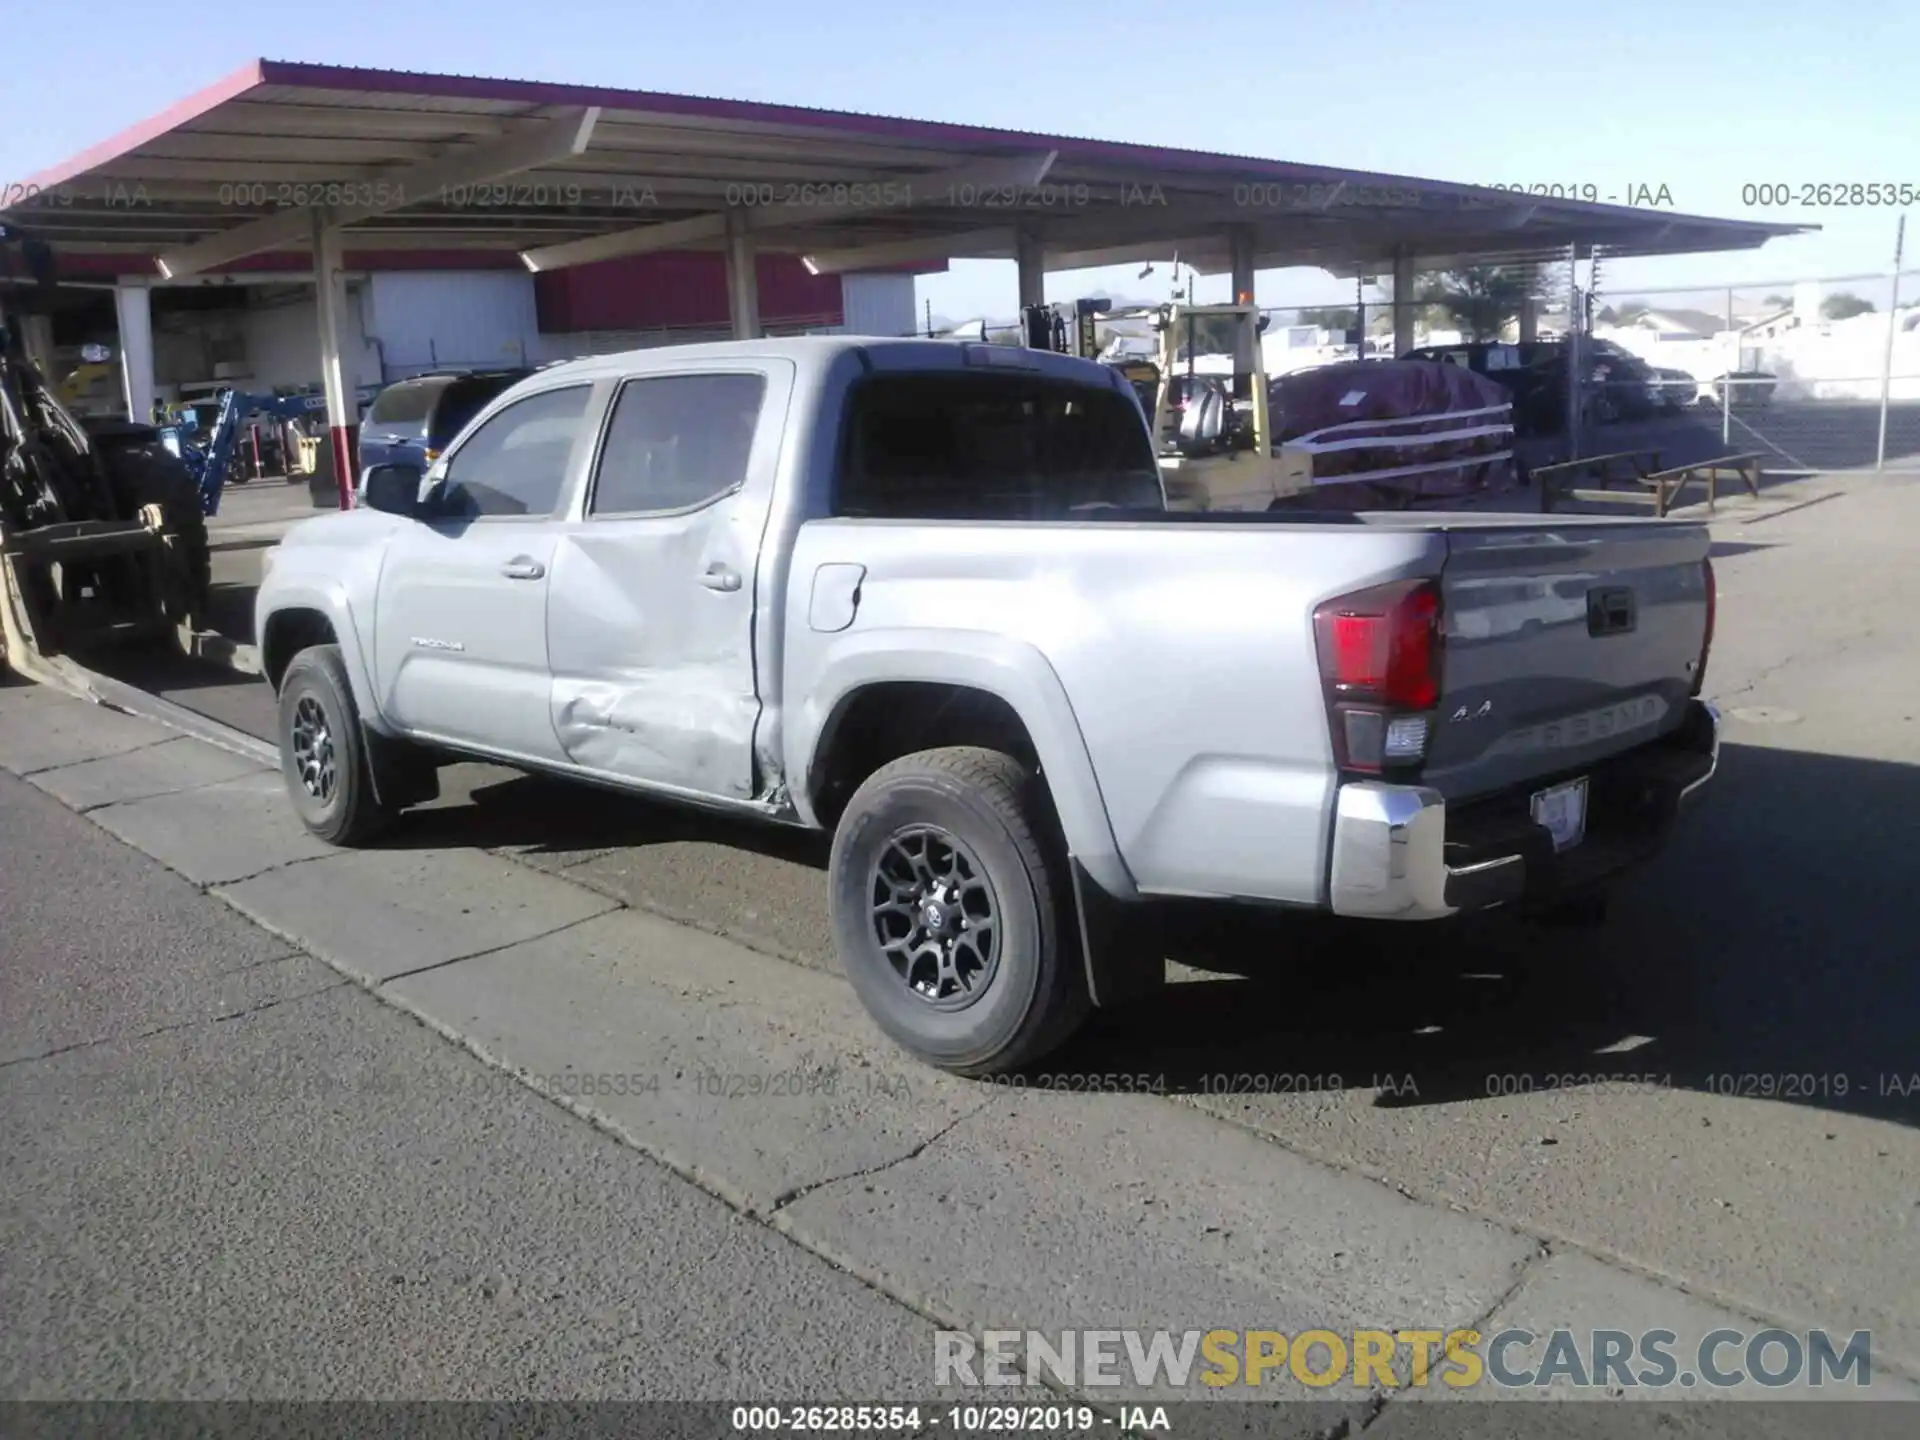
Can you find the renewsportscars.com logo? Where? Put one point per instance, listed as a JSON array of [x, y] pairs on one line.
[[1511, 1359]]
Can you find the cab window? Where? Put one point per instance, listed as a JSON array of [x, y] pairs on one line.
[[516, 462]]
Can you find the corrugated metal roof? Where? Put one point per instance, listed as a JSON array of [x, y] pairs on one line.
[[279, 135]]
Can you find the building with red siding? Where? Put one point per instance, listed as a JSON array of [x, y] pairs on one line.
[[409, 311]]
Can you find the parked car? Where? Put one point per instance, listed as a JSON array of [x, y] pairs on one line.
[[1626, 386], [1538, 385], [1751, 389], [411, 421], [1674, 389], [926, 597]]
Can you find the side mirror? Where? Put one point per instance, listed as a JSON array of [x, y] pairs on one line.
[[392, 488]]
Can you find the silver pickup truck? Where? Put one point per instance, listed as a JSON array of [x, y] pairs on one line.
[[926, 595]]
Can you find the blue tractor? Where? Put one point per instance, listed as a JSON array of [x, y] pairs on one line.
[[211, 459]]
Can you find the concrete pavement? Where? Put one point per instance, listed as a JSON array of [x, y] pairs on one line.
[[1430, 1145], [971, 1205], [230, 1173]]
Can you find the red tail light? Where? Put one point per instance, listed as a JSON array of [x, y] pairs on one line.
[[1706, 641], [1380, 660], [1383, 644]]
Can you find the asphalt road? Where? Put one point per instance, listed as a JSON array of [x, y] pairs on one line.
[[227, 1173], [1721, 1088]]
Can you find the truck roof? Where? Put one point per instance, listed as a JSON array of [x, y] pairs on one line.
[[817, 352]]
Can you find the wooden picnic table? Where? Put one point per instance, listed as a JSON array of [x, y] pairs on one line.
[[1558, 480], [1658, 488]]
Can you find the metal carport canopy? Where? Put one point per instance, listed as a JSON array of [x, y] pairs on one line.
[[569, 174]]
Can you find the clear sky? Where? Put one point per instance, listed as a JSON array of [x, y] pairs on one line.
[[1701, 98]]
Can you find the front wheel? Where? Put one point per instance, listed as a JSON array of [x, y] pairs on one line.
[[323, 755], [950, 909]]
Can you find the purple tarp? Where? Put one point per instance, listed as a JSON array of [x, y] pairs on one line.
[[1428, 397]]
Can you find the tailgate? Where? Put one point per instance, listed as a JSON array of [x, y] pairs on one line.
[[1564, 645]]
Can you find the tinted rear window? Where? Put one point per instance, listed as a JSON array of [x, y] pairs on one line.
[[463, 400], [992, 447], [405, 406]]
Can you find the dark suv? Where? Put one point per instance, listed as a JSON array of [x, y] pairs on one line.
[[1529, 371], [412, 421], [1626, 386]]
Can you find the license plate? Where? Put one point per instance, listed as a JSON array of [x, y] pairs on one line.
[[1563, 810]]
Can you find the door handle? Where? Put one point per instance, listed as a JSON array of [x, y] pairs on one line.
[[523, 567], [719, 577]]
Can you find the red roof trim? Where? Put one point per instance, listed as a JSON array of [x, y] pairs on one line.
[[246, 78]]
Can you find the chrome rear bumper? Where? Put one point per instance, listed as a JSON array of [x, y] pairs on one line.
[[1393, 857]]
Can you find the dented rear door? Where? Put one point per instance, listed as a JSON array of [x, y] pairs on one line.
[[650, 620]]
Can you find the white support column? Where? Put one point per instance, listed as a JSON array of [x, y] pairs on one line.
[[330, 308], [743, 279], [133, 307], [1403, 305], [1031, 259]]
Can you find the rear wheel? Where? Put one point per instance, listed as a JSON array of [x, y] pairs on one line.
[[323, 753], [951, 911]]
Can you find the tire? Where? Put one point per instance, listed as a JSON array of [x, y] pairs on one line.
[[982, 817], [145, 472], [323, 754]]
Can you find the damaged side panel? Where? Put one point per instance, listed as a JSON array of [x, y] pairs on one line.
[[682, 730], [652, 670]]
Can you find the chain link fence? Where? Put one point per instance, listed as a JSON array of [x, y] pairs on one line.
[[1812, 375], [1815, 374]]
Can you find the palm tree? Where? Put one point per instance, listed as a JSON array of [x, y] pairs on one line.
[[1482, 299], [1842, 306]]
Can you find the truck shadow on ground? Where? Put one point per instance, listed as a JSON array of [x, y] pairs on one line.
[[536, 817], [1769, 953]]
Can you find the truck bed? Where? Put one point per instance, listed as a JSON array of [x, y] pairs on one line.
[[1189, 662]]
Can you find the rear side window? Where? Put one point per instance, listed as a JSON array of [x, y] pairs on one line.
[[676, 441], [516, 463], [405, 406], [992, 447], [460, 402]]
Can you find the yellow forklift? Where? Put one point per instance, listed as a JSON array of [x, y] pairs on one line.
[[1372, 430], [1212, 427]]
